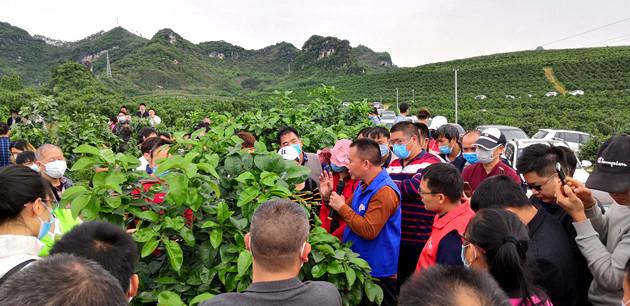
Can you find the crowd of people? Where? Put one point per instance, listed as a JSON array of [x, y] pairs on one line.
[[439, 216]]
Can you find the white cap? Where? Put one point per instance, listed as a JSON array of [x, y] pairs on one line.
[[288, 153], [437, 122]]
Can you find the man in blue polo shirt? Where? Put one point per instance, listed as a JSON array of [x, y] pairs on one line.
[[490, 146]]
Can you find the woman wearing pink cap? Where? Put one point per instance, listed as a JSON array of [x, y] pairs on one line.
[[341, 180]]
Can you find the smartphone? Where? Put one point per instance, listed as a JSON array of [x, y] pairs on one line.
[[561, 175]]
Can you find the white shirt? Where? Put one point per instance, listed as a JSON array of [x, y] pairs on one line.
[[15, 249], [155, 120], [143, 164]]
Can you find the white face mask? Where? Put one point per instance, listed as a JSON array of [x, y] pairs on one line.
[[56, 169], [34, 167], [301, 252], [485, 156]]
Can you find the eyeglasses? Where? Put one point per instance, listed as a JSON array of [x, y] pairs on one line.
[[539, 187], [466, 243]]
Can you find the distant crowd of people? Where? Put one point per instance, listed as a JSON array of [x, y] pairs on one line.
[[439, 215]]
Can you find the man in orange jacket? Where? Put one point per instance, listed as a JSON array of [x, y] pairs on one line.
[[441, 189]]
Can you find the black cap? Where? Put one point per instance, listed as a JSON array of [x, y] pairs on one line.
[[612, 167], [491, 138]]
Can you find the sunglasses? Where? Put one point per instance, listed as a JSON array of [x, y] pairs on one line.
[[539, 187]]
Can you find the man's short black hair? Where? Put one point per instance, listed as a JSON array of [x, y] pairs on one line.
[[144, 132], [423, 129], [4, 128], [447, 131], [106, 244], [25, 157], [286, 130], [142, 104], [424, 114], [368, 149], [446, 179], [404, 107], [498, 192], [378, 132], [452, 286], [408, 128], [63, 279], [542, 158], [365, 132]]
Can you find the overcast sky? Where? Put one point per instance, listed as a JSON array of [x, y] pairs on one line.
[[413, 32]]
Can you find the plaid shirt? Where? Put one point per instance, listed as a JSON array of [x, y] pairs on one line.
[[5, 151]]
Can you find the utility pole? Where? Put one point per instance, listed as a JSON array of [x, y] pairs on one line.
[[397, 108], [109, 67], [455, 70], [289, 67], [413, 94]]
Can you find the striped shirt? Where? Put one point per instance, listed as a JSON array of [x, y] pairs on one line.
[[5, 151], [416, 220]]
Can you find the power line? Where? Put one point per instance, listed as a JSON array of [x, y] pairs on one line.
[[613, 40], [586, 32]]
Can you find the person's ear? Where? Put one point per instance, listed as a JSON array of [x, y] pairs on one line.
[[248, 242], [307, 250], [134, 284]]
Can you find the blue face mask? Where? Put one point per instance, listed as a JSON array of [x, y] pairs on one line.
[[401, 151], [297, 148], [446, 150], [45, 226], [336, 168], [384, 149], [471, 158]]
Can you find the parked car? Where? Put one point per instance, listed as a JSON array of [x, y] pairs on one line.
[[510, 132], [575, 139], [388, 118], [514, 148]]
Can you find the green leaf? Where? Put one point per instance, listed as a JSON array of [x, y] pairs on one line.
[[334, 267], [223, 212], [209, 224], [169, 298], [244, 261], [149, 247], [318, 270], [361, 263], [108, 155], [144, 234], [216, 237], [245, 177], [113, 201], [374, 292], [175, 254], [268, 178], [351, 276], [201, 298], [240, 223], [188, 236], [247, 195], [85, 162], [79, 203], [87, 149], [177, 188]]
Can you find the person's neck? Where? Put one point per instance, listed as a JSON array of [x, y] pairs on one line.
[[370, 175], [54, 181], [447, 208], [490, 166], [413, 153], [526, 213], [454, 153], [262, 275], [15, 228], [301, 157]]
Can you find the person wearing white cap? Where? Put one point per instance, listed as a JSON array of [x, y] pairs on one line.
[[490, 146]]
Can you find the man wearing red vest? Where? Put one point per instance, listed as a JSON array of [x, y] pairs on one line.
[[441, 189]]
